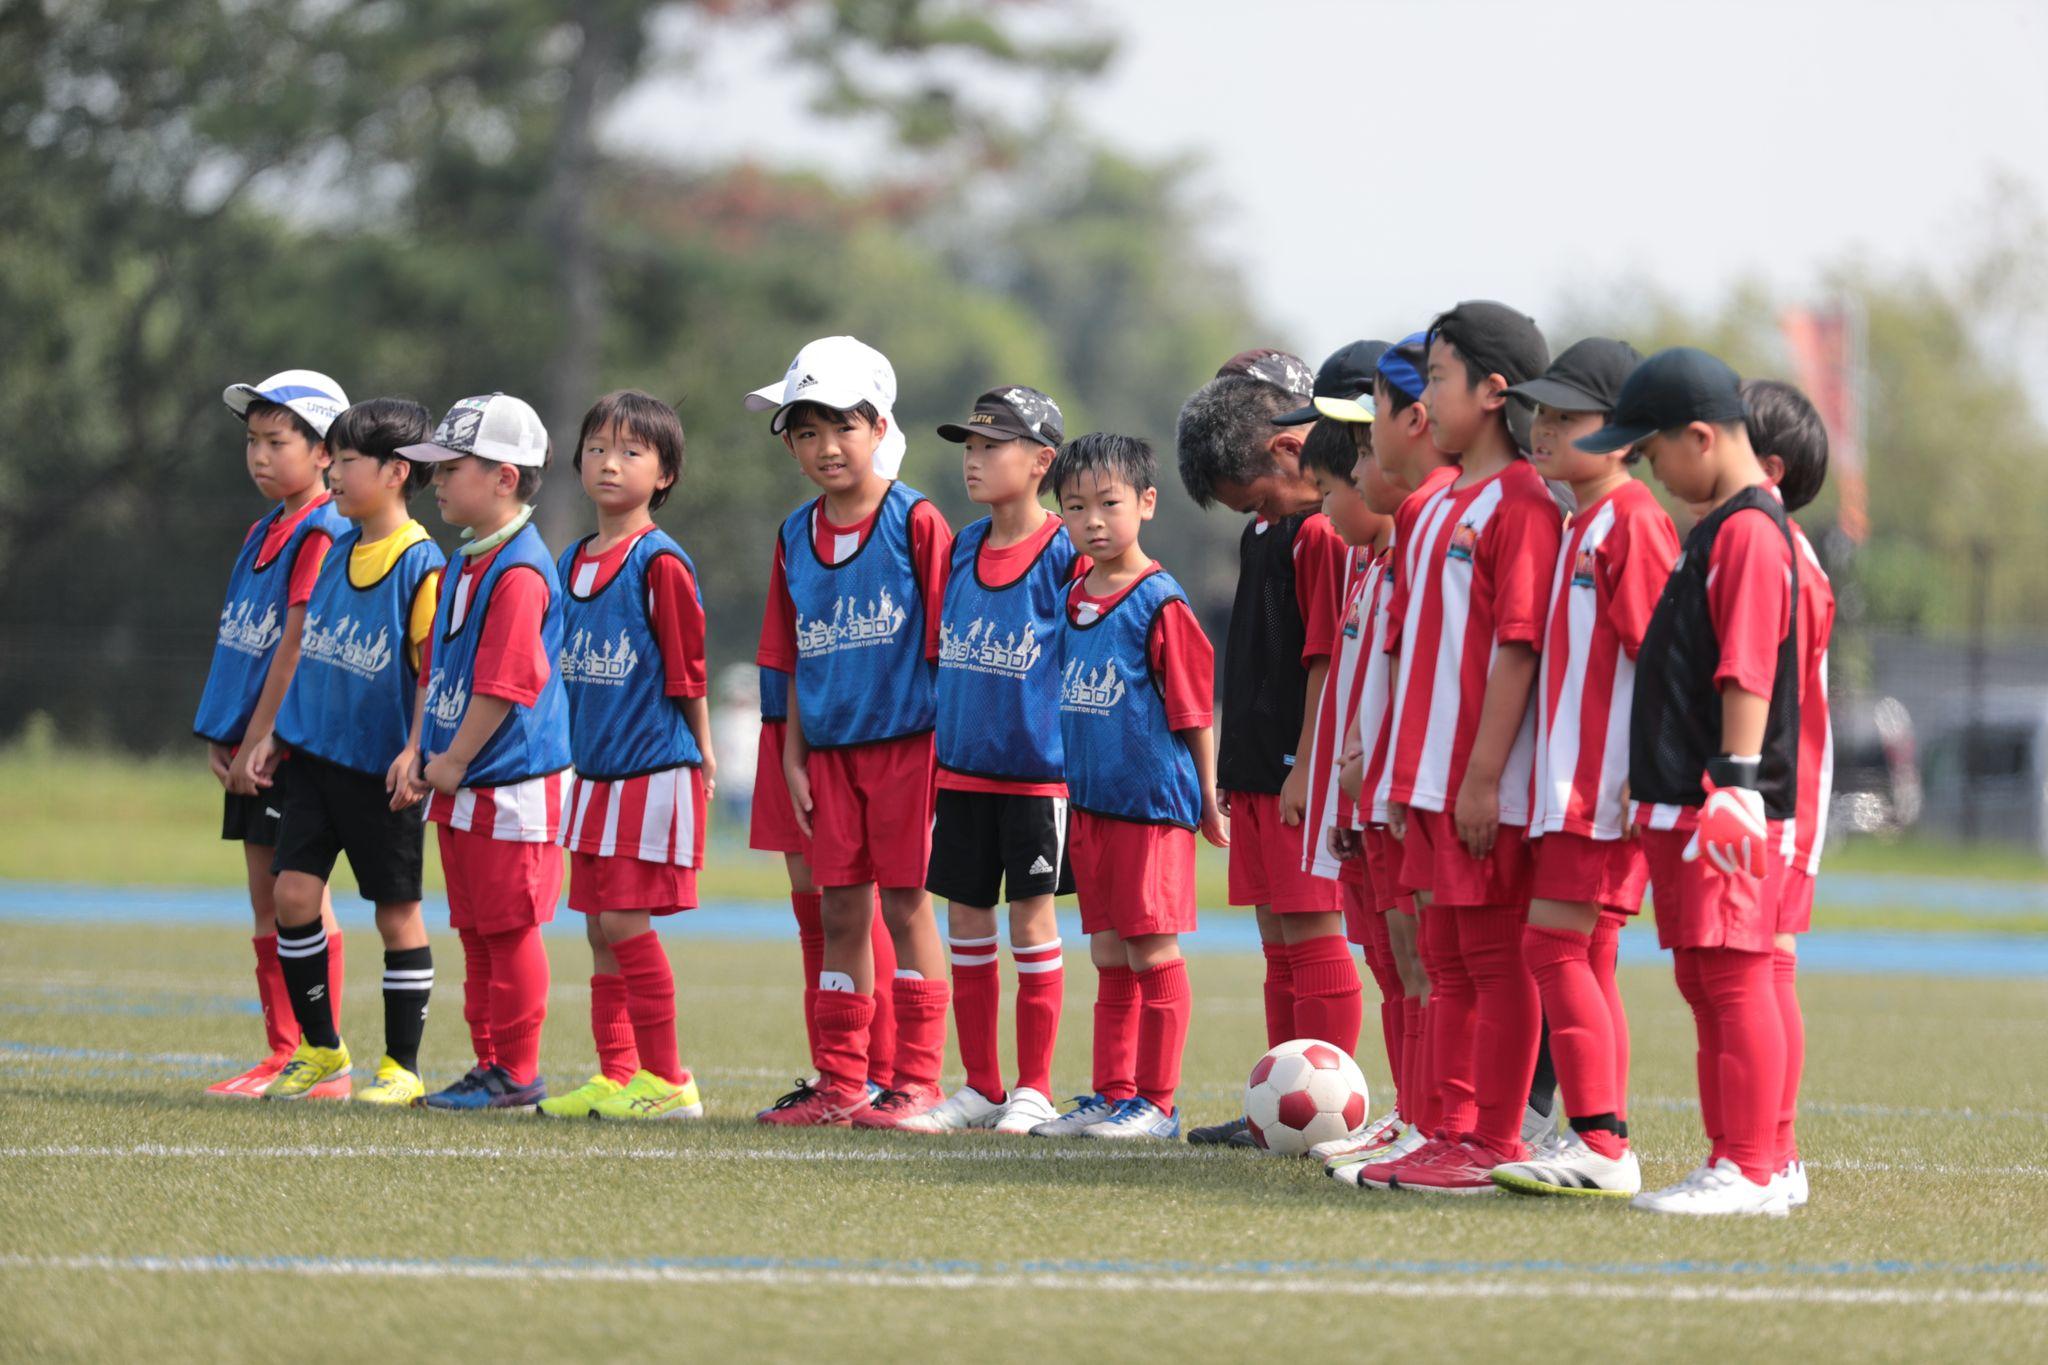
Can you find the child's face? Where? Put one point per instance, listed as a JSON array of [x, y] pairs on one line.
[[1280, 492], [1397, 436], [472, 492], [1347, 511], [363, 485], [1458, 408], [282, 462], [1681, 458], [1380, 493], [1003, 471], [1552, 450], [620, 469], [836, 451], [1103, 513]]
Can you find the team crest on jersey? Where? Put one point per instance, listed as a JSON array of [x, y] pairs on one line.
[[1464, 540], [342, 646], [977, 649], [239, 632], [1351, 621], [851, 627], [446, 704], [1582, 569], [582, 661], [1097, 692]]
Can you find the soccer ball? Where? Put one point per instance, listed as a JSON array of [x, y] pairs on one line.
[[1302, 1093]]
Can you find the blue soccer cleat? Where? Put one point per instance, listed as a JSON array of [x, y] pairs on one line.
[[488, 1087], [1137, 1118]]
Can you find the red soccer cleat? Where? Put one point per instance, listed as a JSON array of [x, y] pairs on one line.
[[1466, 1168], [251, 1084], [826, 1106], [1381, 1175], [891, 1107]]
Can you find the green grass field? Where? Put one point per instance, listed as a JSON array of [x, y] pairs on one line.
[[136, 1215]]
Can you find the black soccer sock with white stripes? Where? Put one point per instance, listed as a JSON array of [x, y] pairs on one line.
[[408, 981], [302, 953]]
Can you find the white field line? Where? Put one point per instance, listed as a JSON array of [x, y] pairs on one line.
[[1085, 1282]]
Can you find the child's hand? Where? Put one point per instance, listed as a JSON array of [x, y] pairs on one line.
[[1351, 777], [708, 770], [1477, 814], [444, 774], [799, 781], [1345, 844], [1628, 820], [218, 759], [1294, 796], [402, 779], [1215, 821], [1397, 819], [244, 778]]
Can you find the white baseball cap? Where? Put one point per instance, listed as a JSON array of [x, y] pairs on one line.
[[839, 373], [490, 426], [309, 393]]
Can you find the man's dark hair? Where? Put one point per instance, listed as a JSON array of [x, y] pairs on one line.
[[1783, 422], [258, 406], [1329, 447], [818, 412], [377, 427], [641, 417], [1224, 433], [1104, 453]]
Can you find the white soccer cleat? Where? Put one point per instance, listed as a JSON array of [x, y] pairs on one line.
[[1538, 1129], [1717, 1190], [1566, 1165], [1348, 1169], [1025, 1111], [1793, 1180], [1087, 1111], [1381, 1130], [965, 1110]]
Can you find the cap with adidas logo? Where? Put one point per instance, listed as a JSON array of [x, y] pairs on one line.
[[839, 373]]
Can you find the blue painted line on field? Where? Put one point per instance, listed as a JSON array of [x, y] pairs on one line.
[[1862, 951]]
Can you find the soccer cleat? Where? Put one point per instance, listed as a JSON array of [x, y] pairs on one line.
[[251, 1084], [310, 1068], [1236, 1132], [1027, 1110], [817, 1106], [1793, 1179], [892, 1107], [488, 1087], [1088, 1110], [966, 1108], [1466, 1168], [1714, 1190], [1569, 1166], [801, 1091], [1352, 1170], [1380, 1131], [394, 1085], [1136, 1117], [648, 1096], [582, 1101], [1380, 1174], [1538, 1128]]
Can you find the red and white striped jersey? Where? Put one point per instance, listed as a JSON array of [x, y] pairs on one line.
[[528, 812], [1807, 830], [1617, 554], [1476, 576], [652, 817], [1335, 712]]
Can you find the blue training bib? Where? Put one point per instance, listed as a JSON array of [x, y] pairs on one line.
[[1121, 758], [622, 722], [998, 684]]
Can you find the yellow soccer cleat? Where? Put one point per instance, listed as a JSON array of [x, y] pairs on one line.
[[581, 1102], [310, 1069], [648, 1096], [394, 1085]]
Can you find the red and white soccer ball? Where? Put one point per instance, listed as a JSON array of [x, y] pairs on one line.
[[1302, 1093]]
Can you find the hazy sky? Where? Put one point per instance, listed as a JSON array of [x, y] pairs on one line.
[[1370, 162]]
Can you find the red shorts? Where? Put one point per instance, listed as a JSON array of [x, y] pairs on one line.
[[1434, 860], [1609, 873], [1132, 879], [1383, 862], [871, 813], [772, 826], [1359, 909], [497, 885], [1265, 860], [598, 884], [1795, 901], [1700, 906]]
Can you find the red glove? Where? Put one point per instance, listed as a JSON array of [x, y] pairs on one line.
[[1732, 830]]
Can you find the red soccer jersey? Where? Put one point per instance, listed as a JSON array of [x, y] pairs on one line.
[[1617, 554], [1807, 831], [931, 552], [1328, 806], [1322, 563], [1484, 556]]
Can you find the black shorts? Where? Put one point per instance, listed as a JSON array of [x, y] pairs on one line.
[[330, 810], [984, 843], [253, 819]]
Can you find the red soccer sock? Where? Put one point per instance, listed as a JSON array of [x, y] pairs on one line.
[[1785, 975], [476, 995], [280, 1025], [337, 972], [1116, 1032], [977, 1002], [1507, 1021], [1386, 975], [1744, 999], [1448, 1050], [651, 1001], [810, 936], [1279, 993], [882, 1031], [1413, 1100], [1606, 950], [1581, 1033], [921, 1008], [1329, 1001], [612, 1027], [1163, 1030], [1041, 991], [1707, 1047], [845, 1019], [519, 1000]]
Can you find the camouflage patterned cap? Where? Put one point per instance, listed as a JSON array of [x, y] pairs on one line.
[[1282, 369], [1011, 412]]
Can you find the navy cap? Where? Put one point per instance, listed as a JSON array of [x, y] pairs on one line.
[[1587, 377], [1402, 365], [1673, 388], [1343, 387]]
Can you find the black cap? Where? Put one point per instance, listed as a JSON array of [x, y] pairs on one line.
[[1672, 388], [1498, 339], [1284, 370], [1011, 413], [1586, 378], [1344, 378]]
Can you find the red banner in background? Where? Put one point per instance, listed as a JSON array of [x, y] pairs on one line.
[[1826, 346]]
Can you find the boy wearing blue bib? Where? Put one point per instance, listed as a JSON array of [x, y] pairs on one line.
[[255, 652], [1136, 688], [348, 721], [1002, 800]]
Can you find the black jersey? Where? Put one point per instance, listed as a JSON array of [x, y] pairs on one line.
[[1263, 677]]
